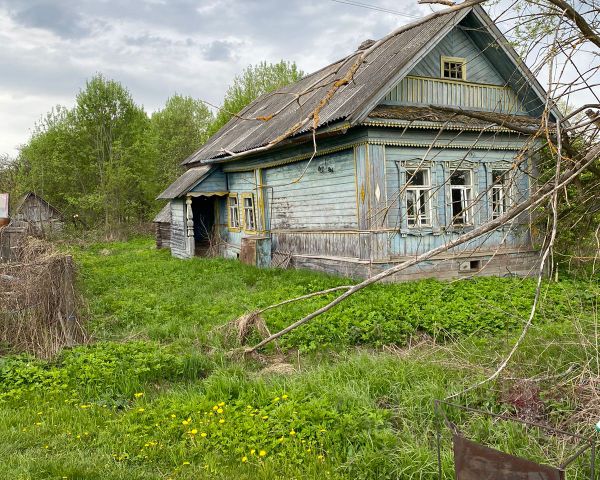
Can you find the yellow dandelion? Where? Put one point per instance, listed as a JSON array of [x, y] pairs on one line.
[[244, 459], [173, 415], [186, 422], [203, 434], [222, 404], [221, 421], [252, 452], [220, 410], [292, 432], [276, 399], [215, 408], [141, 410], [262, 453], [320, 457], [194, 431], [138, 395], [265, 417], [284, 397], [186, 463]]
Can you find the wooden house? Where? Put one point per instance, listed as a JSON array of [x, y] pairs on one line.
[[37, 215], [394, 174]]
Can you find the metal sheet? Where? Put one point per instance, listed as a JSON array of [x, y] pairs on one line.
[[477, 462]]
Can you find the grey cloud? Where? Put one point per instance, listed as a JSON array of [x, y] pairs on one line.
[[55, 17], [220, 51]]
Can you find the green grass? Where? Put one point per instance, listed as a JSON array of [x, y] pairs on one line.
[[136, 402]]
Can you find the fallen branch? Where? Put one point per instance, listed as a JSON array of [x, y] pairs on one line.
[[535, 200]]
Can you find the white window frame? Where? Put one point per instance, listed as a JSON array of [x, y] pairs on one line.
[[249, 212], [421, 195], [233, 212], [501, 193], [456, 60], [466, 199]]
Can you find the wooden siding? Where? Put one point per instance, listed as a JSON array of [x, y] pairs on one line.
[[178, 229], [405, 241], [324, 198], [483, 89], [459, 44], [435, 91], [214, 183]]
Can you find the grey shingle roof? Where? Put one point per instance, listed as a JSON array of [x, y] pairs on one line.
[[185, 182], [164, 216], [380, 67]]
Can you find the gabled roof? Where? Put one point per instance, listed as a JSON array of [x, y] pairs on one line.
[[384, 65], [379, 70], [29, 195]]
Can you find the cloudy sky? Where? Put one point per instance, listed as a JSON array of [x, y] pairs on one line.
[[48, 48], [156, 48]]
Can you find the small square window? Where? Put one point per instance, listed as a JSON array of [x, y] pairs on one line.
[[454, 68]]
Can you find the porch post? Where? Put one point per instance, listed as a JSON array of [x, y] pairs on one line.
[[189, 216]]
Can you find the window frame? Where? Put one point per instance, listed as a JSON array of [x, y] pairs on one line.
[[250, 196], [230, 224], [420, 192], [505, 189], [466, 200], [463, 61]]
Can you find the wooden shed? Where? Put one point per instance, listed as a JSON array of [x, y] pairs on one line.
[[38, 215], [162, 227]]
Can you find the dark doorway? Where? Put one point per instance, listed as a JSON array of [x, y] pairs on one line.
[[203, 209]]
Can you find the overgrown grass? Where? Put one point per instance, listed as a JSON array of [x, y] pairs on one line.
[[137, 403]]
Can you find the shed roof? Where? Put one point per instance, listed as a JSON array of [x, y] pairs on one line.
[[293, 103], [185, 182], [164, 216]]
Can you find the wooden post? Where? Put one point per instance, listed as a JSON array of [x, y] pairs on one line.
[[191, 242]]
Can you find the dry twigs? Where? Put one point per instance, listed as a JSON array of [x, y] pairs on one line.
[[39, 305]]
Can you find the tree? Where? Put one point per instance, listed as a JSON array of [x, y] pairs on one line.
[[179, 129], [96, 160], [252, 83]]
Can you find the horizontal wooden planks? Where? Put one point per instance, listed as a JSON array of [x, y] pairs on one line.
[[316, 195]]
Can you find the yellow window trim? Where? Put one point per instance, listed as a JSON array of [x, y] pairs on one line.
[[243, 196], [461, 60], [229, 226]]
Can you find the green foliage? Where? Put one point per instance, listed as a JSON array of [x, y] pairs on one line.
[[134, 288], [252, 83], [578, 215], [180, 129], [108, 369], [125, 409], [95, 160]]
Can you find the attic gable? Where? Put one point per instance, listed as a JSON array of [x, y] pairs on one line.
[[492, 77]]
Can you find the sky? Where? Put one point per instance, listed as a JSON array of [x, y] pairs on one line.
[[48, 48], [156, 48]]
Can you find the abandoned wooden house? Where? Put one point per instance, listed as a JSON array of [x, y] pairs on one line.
[[396, 172], [37, 215]]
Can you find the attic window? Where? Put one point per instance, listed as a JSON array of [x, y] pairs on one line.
[[454, 68]]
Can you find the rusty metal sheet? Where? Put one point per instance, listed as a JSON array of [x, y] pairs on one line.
[[477, 462]]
